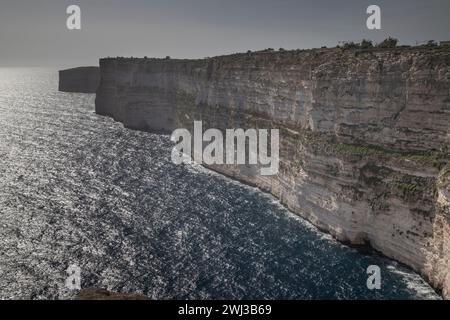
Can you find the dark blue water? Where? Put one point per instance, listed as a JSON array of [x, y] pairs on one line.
[[77, 188]]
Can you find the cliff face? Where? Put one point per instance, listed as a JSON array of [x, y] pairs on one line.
[[364, 135], [83, 80]]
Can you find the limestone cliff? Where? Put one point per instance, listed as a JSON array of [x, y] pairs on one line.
[[364, 134], [82, 79]]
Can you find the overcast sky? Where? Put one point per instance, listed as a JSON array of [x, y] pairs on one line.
[[34, 33]]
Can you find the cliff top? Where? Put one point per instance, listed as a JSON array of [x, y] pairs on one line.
[[352, 49], [88, 68]]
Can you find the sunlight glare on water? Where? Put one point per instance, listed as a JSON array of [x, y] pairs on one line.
[[78, 188]]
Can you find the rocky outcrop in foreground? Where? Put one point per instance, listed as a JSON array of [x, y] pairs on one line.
[[364, 135], [103, 294], [83, 80]]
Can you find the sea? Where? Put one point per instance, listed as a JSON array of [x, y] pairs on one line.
[[78, 191]]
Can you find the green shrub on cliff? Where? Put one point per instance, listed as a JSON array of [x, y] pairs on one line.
[[366, 44], [388, 43], [350, 45]]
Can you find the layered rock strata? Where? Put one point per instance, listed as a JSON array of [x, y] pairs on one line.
[[364, 135]]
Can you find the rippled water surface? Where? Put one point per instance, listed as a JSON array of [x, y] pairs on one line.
[[77, 188]]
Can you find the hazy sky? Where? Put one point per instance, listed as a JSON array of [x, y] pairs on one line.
[[34, 33]]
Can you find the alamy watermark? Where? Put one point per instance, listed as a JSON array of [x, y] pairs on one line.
[[374, 20], [374, 279], [73, 22], [238, 147], [73, 281], [249, 147]]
